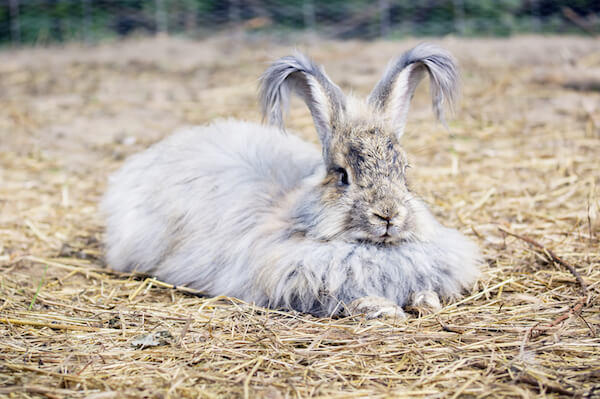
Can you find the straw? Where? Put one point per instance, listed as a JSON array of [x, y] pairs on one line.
[[518, 174]]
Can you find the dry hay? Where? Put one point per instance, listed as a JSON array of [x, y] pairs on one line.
[[522, 158]]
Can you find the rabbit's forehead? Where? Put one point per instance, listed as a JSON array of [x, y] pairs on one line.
[[370, 152]]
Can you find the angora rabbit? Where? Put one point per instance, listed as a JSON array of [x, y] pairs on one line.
[[241, 209]]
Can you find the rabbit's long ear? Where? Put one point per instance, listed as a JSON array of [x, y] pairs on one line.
[[298, 74], [393, 93]]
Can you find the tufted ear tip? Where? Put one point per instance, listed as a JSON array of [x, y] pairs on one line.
[[278, 80], [393, 93], [299, 74]]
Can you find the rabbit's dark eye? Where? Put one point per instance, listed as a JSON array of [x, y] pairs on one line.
[[343, 179]]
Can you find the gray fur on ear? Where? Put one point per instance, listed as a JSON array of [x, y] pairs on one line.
[[393, 93], [297, 73]]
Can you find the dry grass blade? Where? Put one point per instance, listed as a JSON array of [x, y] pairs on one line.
[[38, 288], [536, 331], [552, 257]]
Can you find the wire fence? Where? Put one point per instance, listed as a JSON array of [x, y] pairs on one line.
[[48, 21]]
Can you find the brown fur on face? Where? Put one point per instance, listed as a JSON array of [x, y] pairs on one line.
[[376, 197]]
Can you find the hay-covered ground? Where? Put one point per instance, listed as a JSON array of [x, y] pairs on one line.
[[522, 156]]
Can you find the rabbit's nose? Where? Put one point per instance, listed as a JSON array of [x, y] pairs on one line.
[[385, 217], [391, 216]]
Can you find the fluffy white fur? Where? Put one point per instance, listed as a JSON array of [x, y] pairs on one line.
[[240, 209], [208, 208]]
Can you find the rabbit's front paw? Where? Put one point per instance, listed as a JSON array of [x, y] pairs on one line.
[[375, 307], [425, 302]]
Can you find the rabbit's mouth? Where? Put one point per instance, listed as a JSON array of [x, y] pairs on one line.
[[394, 240], [391, 234], [386, 238]]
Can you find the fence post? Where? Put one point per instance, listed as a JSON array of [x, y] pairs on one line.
[[384, 17], [459, 16], [87, 20], [15, 22], [234, 12], [160, 16], [536, 16], [190, 19], [308, 9]]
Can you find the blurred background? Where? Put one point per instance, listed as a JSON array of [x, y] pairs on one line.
[[50, 21]]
